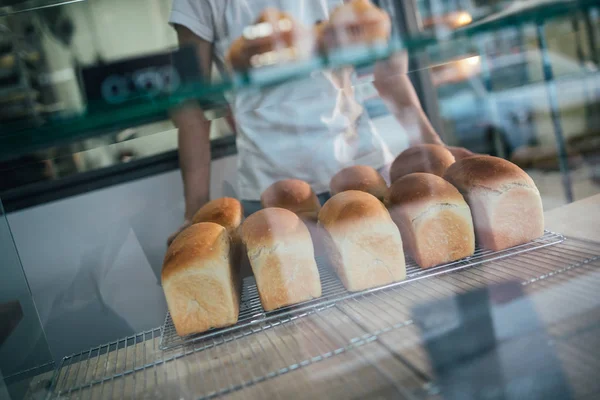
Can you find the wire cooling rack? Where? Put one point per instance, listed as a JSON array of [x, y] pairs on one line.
[[363, 346], [333, 291]]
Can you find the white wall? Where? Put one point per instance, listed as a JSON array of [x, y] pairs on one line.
[[93, 261]]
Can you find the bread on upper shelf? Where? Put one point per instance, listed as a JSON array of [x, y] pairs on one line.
[[294, 195], [355, 22], [363, 242], [505, 203], [276, 37], [200, 279], [359, 177], [281, 254], [430, 158], [434, 220]]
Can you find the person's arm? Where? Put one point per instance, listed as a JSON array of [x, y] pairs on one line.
[[397, 91], [193, 137]]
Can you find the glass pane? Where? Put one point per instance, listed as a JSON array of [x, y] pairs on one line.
[[24, 352]]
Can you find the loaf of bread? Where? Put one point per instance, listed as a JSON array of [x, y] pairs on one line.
[[200, 280], [225, 211], [229, 213], [505, 203], [434, 219], [430, 158], [364, 244], [294, 195], [359, 177], [282, 258], [274, 38], [355, 22]]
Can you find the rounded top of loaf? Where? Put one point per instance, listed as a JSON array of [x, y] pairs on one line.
[[487, 172], [292, 194], [432, 158], [359, 177], [422, 187], [351, 205], [205, 241], [226, 211], [271, 225]]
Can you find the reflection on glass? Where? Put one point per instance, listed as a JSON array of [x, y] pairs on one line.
[[24, 352]]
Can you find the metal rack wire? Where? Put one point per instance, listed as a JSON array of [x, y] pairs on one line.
[[369, 334], [252, 313]]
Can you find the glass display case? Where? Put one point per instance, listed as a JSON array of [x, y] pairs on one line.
[[105, 105]]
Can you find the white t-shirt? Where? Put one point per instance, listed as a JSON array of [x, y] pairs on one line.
[[307, 129]]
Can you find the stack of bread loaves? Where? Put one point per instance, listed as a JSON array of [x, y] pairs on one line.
[[200, 275]]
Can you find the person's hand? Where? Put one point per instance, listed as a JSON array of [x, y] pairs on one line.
[[186, 224], [388, 69], [460, 152]]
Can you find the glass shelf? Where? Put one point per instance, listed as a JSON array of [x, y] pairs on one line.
[[17, 6], [524, 12], [17, 139]]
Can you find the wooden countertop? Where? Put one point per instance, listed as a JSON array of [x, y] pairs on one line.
[[375, 369], [580, 219]]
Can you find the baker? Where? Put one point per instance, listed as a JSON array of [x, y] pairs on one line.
[[307, 129]]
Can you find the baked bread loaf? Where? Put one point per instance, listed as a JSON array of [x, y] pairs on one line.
[[274, 38], [294, 195], [433, 217], [282, 258], [355, 22], [226, 211], [229, 213], [364, 244], [505, 203], [200, 280], [431, 158], [359, 177]]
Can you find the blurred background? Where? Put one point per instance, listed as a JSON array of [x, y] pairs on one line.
[[491, 98]]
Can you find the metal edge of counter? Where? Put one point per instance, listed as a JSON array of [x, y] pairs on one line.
[[48, 191]]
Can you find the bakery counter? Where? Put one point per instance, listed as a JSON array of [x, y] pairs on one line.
[[366, 346]]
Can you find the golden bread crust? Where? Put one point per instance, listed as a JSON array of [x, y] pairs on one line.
[[359, 177], [281, 254], [430, 158], [421, 187], [351, 205], [434, 220], [294, 195], [200, 281], [505, 203], [226, 211], [363, 243], [203, 241], [486, 172]]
